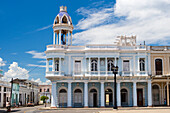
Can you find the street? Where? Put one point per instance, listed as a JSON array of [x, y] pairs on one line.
[[42, 109]]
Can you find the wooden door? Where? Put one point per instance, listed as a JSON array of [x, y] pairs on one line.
[[140, 97], [91, 100], [158, 66]]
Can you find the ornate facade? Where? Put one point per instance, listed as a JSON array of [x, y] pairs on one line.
[[160, 66], [82, 76]]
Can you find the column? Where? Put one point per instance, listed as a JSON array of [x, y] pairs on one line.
[[98, 65], [68, 37], [69, 95], [59, 37], [134, 94], [115, 61], [65, 39], [54, 38], [2, 95], [60, 66], [89, 65], [118, 94], [102, 94], [86, 94], [149, 65], [106, 64], [47, 65], [149, 93], [85, 67], [53, 65], [167, 84], [71, 38], [54, 99]]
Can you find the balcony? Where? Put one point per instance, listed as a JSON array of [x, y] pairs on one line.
[[142, 73], [95, 73], [63, 47], [54, 73]]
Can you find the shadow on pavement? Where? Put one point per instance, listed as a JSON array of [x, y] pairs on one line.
[[5, 111], [143, 108]]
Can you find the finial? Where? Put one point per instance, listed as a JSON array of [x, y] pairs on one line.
[[63, 9]]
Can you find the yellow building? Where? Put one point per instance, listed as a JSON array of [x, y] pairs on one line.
[[160, 66]]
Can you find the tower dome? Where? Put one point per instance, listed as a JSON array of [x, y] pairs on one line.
[[63, 28], [63, 17]]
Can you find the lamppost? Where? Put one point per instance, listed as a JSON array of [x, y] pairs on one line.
[[115, 71]]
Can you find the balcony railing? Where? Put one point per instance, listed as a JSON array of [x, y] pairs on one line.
[[98, 73], [160, 48], [55, 73], [97, 47], [57, 47]]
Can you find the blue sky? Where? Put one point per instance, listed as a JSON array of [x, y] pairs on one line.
[[25, 26]]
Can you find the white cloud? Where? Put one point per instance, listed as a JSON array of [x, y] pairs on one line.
[[42, 61], [47, 82], [34, 65], [2, 63], [43, 28], [149, 20], [15, 72], [39, 55]]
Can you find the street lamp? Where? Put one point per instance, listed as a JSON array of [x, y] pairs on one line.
[[115, 71]]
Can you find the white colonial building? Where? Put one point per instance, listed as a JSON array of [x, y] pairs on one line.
[[82, 76]]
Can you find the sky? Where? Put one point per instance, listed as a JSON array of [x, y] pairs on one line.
[[26, 28]]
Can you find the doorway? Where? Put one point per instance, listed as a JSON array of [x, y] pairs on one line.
[[108, 98], [124, 97], [140, 97], [93, 98]]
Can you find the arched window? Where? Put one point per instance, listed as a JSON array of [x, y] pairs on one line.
[[158, 66], [57, 20], [93, 65], [57, 65], [142, 64], [77, 91], [64, 20], [124, 97], [63, 91], [110, 65], [93, 91]]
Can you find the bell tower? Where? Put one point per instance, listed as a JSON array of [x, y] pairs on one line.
[[62, 28]]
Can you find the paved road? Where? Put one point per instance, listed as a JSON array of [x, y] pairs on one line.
[[36, 109]]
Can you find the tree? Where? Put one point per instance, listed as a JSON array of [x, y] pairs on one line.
[[43, 98]]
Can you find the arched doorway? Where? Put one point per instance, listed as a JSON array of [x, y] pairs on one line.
[[78, 98], [108, 98], [62, 98], [155, 95], [93, 98], [165, 102], [124, 97], [158, 66]]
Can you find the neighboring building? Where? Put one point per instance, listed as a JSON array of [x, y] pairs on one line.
[[28, 92], [82, 76], [5, 89], [1, 73], [160, 66], [45, 90], [15, 93]]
